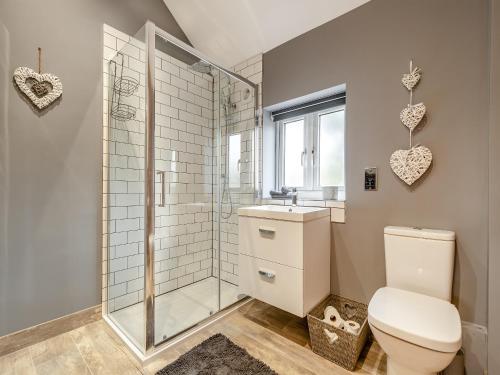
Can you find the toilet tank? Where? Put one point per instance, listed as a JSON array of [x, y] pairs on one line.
[[420, 260]]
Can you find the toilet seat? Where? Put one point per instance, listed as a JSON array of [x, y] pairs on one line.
[[422, 320]]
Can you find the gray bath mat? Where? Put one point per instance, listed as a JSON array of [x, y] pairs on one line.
[[217, 355]]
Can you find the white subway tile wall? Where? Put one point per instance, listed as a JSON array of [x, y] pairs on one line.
[[185, 151], [183, 141], [123, 173]]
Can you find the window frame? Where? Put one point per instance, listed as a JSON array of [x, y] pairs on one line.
[[317, 180], [280, 149], [311, 159]]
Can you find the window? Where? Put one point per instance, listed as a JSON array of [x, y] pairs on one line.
[[331, 148], [234, 160], [293, 154], [310, 150]]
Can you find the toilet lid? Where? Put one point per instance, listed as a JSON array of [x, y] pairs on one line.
[[422, 320]]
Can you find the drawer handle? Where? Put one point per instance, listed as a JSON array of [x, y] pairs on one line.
[[267, 231], [267, 274]]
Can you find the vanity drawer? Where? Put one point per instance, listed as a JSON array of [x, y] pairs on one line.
[[273, 283], [274, 240]]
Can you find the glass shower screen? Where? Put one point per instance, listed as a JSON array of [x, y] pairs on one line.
[[184, 164], [199, 113]]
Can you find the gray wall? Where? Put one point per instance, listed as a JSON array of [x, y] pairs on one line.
[[494, 209], [50, 186], [369, 49]]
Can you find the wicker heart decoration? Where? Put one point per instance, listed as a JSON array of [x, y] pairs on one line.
[[410, 165], [41, 89], [349, 310], [412, 115], [411, 79]]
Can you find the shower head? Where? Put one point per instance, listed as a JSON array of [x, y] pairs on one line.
[[202, 67]]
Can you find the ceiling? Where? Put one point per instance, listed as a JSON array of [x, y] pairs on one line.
[[230, 31]]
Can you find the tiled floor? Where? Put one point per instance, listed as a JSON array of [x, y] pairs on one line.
[[177, 310], [95, 349]]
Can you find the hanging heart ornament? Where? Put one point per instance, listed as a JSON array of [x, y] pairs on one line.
[[41, 89], [410, 165], [412, 115], [411, 79], [349, 310]]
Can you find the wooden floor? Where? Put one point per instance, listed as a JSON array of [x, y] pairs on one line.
[[277, 338]]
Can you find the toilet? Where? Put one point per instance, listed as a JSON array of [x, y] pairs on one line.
[[412, 317]]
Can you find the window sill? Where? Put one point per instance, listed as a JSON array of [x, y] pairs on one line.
[[312, 196]]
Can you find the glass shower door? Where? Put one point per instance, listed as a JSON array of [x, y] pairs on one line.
[[186, 289]]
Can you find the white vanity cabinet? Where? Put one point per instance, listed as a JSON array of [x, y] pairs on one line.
[[284, 256]]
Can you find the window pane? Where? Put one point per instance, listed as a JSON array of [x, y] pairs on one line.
[[294, 146], [331, 155], [234, 160]]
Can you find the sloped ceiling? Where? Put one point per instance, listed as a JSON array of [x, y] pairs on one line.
[[230, 31]]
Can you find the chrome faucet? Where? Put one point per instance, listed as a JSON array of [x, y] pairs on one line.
[[294, 196]]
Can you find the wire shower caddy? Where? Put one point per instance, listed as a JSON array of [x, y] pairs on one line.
[[123, 86]]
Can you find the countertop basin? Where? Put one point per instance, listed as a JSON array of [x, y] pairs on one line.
[[288, 213]]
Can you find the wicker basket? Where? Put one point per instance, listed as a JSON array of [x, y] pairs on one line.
[[346, 350]]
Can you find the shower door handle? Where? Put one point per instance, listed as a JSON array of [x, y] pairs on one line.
[[162, 192]]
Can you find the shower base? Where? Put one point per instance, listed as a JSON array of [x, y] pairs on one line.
[[176, 311]]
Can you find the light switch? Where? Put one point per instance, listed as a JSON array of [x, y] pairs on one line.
[[371, 178]]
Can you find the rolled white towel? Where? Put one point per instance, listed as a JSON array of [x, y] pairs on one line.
[[352, 326], [333, 317], [331, 336]]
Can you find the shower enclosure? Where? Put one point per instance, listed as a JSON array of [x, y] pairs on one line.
[[182, 150]]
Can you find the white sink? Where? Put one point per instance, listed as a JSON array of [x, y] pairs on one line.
[[288, 213]]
